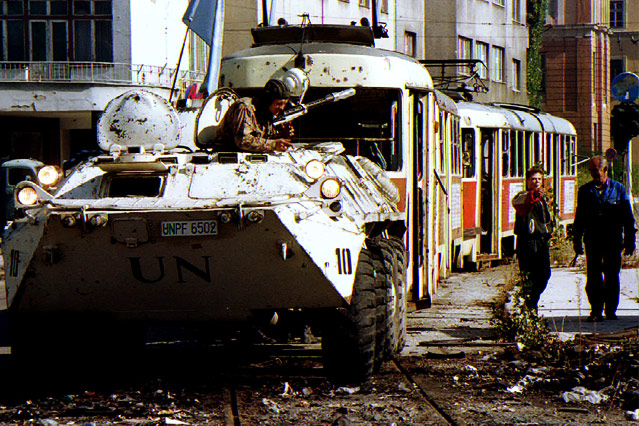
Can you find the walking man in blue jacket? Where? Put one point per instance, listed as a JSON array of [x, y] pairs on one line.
[[604, 223]]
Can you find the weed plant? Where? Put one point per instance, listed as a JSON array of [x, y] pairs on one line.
[[521, 324]]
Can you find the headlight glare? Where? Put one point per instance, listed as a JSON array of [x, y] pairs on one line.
[[27, 196], [314, 169], [49, 175], [330, 188]]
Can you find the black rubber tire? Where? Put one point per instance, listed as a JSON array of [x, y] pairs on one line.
[[348, 337], [383, 260], [393, 332], [402, 295]]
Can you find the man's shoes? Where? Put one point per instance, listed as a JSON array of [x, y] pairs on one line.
[[595, 318], [611, 317]]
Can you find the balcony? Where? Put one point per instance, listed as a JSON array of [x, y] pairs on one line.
[[96, 72]]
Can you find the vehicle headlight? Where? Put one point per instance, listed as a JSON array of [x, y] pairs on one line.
[[27, 196], [314, 169], [330, 188], [49, 175]]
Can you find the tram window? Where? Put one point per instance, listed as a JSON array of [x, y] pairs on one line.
[[573, 158], [442, 141], [456, 148], [418, 132], [528, 150], [562, 150], [520, 154], [469, 153], [537, 158], [505, 154], [512, 139], [548, 150], [368, 124]]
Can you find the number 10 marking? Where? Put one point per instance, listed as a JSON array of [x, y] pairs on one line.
[[344, 266]]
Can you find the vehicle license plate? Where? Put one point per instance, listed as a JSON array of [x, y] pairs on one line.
[[188, 228]]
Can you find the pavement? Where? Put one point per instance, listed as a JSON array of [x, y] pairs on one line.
[[460, 316]]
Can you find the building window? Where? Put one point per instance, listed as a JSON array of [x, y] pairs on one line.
[[516, 75], [617, 12], [617, 66], [383, 6], [464, 51], [198, 53], [365, 3], [517, 10], [482, 54], [465, 48], [410, 42], [55, 30], [498, 63]]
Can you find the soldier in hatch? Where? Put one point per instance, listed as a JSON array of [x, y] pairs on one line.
[[248, 123]]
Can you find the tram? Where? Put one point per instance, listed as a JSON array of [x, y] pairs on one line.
[[457, 163], [501, 142]]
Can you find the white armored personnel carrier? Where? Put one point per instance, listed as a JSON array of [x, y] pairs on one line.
[[153, 231]]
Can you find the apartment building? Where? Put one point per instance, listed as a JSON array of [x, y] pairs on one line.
[[62, 61], [576, 57], [402, 20], [493, 31]]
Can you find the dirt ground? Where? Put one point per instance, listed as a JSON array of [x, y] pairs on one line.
[[480, 381], [497, 387]]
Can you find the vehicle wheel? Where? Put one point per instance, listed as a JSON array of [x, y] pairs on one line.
[[394, 330], [383, 260], [348, 338]]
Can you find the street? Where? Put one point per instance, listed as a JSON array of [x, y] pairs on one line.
[[454, 370]]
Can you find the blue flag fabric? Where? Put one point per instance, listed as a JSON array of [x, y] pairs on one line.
[[200, 18]]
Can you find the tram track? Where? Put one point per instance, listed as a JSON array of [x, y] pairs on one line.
[[240, 407], [418, 387]]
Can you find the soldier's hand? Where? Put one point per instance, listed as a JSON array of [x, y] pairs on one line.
[[282, 145], [289, 130]]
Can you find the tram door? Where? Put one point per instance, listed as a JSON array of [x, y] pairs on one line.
[[489, 194], [417, 216]]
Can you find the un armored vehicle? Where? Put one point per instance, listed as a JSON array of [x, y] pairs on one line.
[[157, 231]]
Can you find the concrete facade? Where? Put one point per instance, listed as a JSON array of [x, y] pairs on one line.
[[339, 12], [576, 48], [48, 109], [491, 30]]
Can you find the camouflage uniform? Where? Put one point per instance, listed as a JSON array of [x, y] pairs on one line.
[[240, 130]]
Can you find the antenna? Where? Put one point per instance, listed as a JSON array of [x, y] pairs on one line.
[[264, 14], [379, 31]]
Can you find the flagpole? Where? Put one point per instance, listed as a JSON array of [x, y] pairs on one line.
[[215, 56], [177, 68]]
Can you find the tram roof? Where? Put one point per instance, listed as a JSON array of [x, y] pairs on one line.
[[515, 117], [327, 64]]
